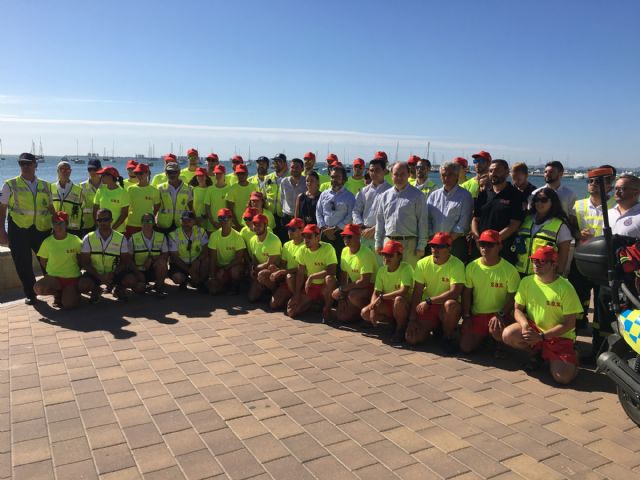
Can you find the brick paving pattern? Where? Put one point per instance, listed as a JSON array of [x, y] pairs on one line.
[[182, 389]]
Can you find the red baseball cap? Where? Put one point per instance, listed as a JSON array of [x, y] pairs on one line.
[[490, 236], [131, 164], [256, 196], [61, 216], [413, 160], [351, 229], [381, 154], [241, 168], [212, 156], [201, 172], [192, 152], [109, 171], [358, 161], [441, 238], [461, 161], [141, 168], [392, 247], [547, 253], [295, 223], [224, 212], [237, 158], [250, 212], [219, 169], [260, 218], [170, 157], [311, 229], [310, 155], [482, 154], [332, 157]]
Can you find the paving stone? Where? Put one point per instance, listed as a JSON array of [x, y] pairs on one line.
[[199, 464], [112, 459], [329, 468], [153, 457], [288, 468], [304, 447], [70, 451], [105, 436], [266, 448], [42, 470], [85, 470], [240, 464]]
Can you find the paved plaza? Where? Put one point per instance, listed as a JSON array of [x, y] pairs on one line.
[[180, 388]]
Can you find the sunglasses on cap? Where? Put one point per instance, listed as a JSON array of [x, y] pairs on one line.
[[223, 218], [479, 160], [103, 220], [247, 219], [486, 244]]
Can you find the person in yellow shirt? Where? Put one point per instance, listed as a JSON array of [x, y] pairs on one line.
[[143, 198], [282, 281], [257, 201], [212, 162], [112, 197], [232, 178], [316, 270], [358, 266], [309, 166], [436, 295], [546, 305], [131, 179], [422, 182], [412, 163], [238, 195], [487, 300], [150, 253], [356, 181], [265, 251], [226, 255], [200, 184], [187, 173], [161, 177], [59, 257], [481, 161], [189, 256], [247, 231], [217, 195], [261, 178], [89, 189], [391, 292]]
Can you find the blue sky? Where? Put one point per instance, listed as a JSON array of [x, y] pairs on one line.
[[529, 81]]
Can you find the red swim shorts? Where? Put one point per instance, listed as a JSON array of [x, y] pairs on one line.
[[68, 282], [432, 318], [314, 292], [556, 348]]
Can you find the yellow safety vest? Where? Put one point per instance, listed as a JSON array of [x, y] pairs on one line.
[[273, 192], [71, 203], [188, 250], [105, 260], [547, 235], [27, 209], [140, 250], [170, 213], [88, 194], [586, 220]]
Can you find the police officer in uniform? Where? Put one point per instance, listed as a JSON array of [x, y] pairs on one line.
[[29, 203]]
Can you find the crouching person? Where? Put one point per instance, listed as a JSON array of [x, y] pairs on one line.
[[282, 281], [150, 255], [59, 257], [487, 300], [226, 255], [189, 262], [392, 290], [436, 296], [316, 274], [358, 267], [105, 258], [265, 250], [546, 305]]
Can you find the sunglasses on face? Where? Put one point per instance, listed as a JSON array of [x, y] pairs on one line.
[[25, 164], [223, 219], [540, 200], [486, 244], [92, 169], [247, 219], [173, 173]]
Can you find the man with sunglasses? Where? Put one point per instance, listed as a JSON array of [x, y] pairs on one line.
[[232, 178], [212, 162], [150, 255], [481, 162], [439, 280], [358, 266], [624, 217], [356, 181], [29, 202], [265, 250], [176, 198], [143, 198], [131, 178], [226, 255], [334, 209], [187, 173], [546, 306], [412, 163], [316, 271], [68, 197], [105, 258], [282, 281], [58, 256], [160, 178], [422, 182], [89, 189], [487, 299], [262, 175], [189, 257]]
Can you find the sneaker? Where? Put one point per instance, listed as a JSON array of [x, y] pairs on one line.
[[95, 296], [30, 300], [183, 287]]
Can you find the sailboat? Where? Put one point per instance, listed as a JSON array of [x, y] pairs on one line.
[[40, 156], [2, 159]]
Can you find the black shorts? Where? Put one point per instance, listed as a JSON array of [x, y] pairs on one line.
[[149, 275]]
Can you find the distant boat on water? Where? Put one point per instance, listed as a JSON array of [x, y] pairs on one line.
[[579, 176]]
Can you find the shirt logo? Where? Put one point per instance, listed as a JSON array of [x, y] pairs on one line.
[[445, 280], [497, 285], [504, 202], [553, 303], [628, 222]]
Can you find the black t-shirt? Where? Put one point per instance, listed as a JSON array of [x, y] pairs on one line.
[[496, 210]]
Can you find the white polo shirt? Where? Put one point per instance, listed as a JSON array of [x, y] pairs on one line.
[[627, 224]]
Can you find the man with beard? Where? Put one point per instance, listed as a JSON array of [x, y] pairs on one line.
[[334, 209], [481, 161], [553, 172], [422, 182], [309, 166], [364, 210], [290, 188]]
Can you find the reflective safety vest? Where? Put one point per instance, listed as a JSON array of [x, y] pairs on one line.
[[141, 252], [188, 250], [27, 209], [105, 260], [71, 203], [426, 188], [170, 212], [585, 217], [525, 244], [88, 194]]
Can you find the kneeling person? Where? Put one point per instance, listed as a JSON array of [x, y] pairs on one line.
[[58, 256], [283, 280], [189, 256], [546, 305], [150, 254], [226, 255], [265, 250]]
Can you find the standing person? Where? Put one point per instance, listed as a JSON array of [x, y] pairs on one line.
[[281, 171], [265, 250], [316, 272], [309, 166], [334, 209], [487, 300], [364, 210], [189, 257], [217, 196], [236, 160], [498, 208], [89, 189], [624, 217], [68, 197], [161, 177], [422, 182], [356, 181], [546, 224], [143, 198], [520, 178], [187, 173], [481, 161], [291, 188], [58, 255], [464, 168], [553, 172], [282, 281], [358, 266], [389, 302], [112, 197], [176, 198], [104, 256], [261, 178], [307, 202], [439, 279], [545, 315], [238, 195], [212, 162], [150, 256], [226, 255], [402, 215], [412, 164], [200, 185], [451, 209], [131, 176]]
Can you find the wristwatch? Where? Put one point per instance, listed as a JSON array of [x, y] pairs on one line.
[[428, 300], [542, 336]]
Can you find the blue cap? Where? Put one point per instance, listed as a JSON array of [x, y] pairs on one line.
[[94, 163]]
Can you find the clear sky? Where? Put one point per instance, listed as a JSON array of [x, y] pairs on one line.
[[526, 80]]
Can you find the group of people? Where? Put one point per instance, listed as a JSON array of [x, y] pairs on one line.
[[477, 258]]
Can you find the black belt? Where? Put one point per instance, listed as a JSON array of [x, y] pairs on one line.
[[401, 237]]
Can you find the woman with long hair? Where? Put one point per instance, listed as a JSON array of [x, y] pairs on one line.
[[307, 201], [200, 184], [113, 197]]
